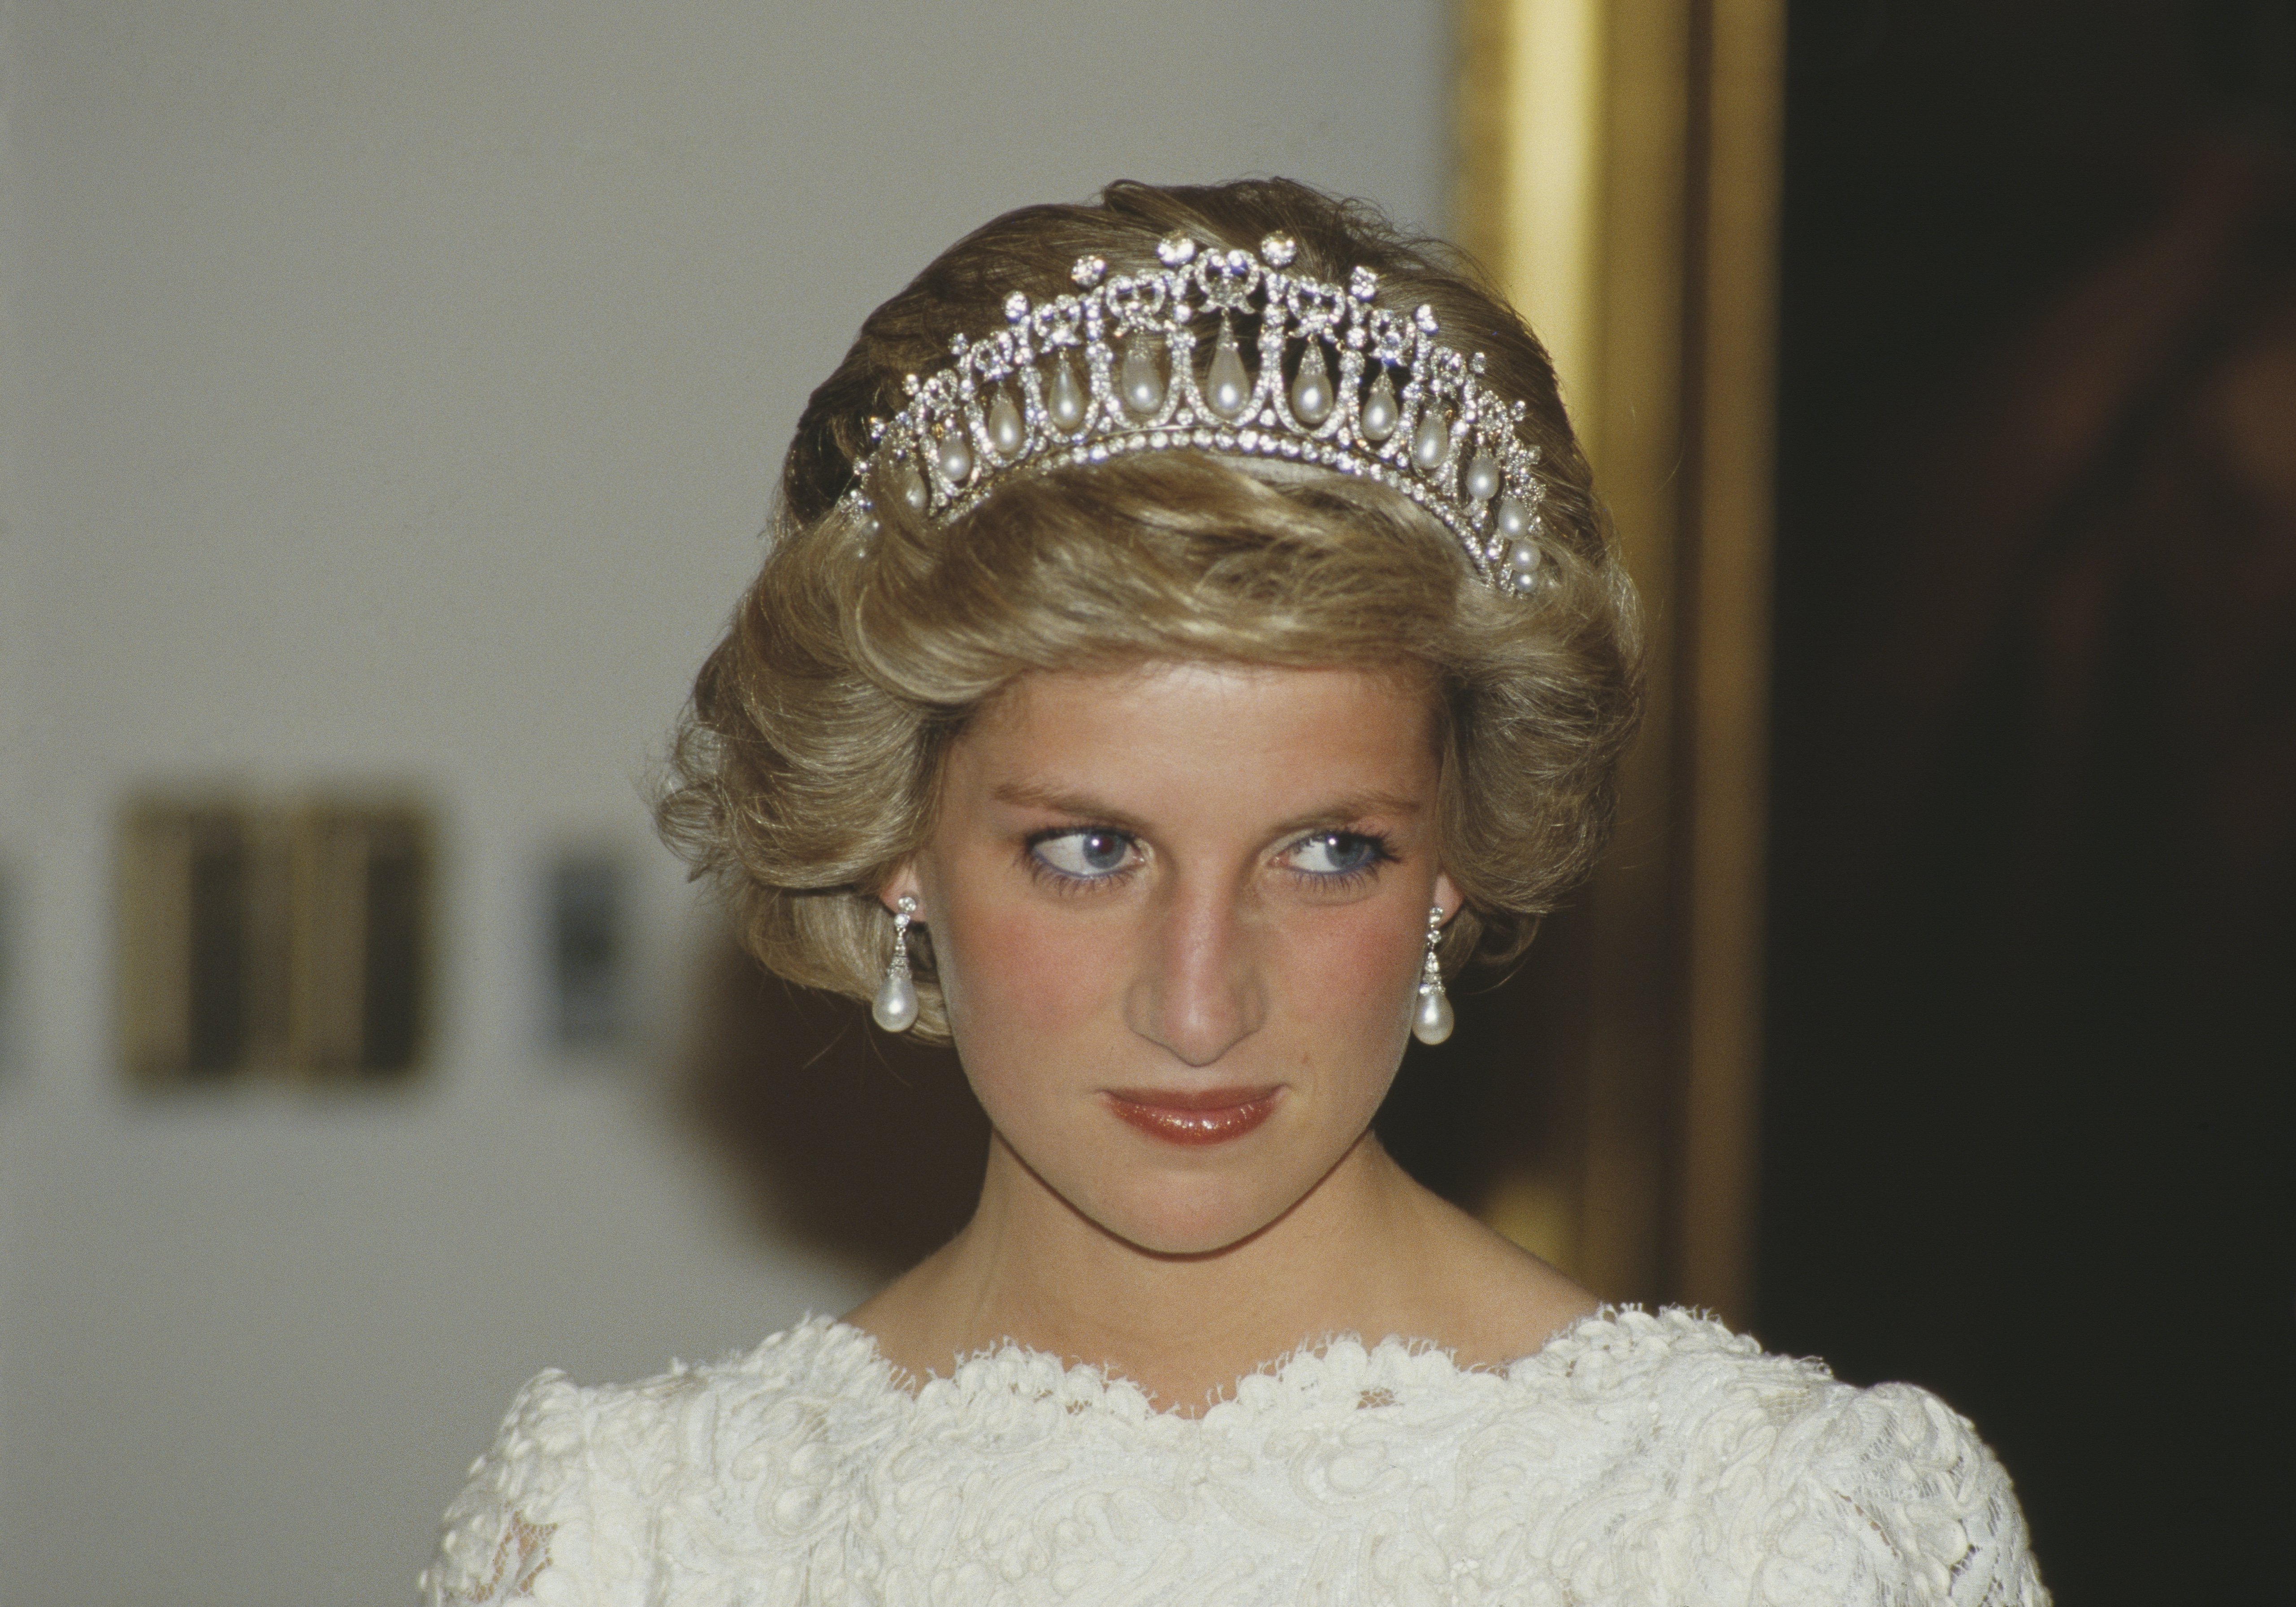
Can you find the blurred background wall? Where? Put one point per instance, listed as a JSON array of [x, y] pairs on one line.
[[392, 398]]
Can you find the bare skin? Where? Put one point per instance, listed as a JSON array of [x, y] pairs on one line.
[[1180, 880]]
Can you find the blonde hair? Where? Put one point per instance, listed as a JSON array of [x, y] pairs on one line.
[[806, 770]]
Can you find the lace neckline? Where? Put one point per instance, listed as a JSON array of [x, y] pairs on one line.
[[1341, 1368]]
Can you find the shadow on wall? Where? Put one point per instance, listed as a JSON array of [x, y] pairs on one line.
[[862, 1146]]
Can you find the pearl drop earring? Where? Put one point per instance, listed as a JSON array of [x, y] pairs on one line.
[[896, 1006], [1431, 1018]]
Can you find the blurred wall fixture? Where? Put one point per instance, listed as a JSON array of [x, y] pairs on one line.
[[584, 925], [282, 941]]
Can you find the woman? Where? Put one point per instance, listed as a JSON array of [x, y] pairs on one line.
[[1189, 630]]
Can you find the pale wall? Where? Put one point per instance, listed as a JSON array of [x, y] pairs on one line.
[[392, 390]]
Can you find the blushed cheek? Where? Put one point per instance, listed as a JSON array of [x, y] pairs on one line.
[[1376, 959], [1357, 982], [1026, 996]]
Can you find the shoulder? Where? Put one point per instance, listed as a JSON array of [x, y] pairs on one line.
[[1728, 1464], [500, 1538], [565, 1505], [1924, 1496]]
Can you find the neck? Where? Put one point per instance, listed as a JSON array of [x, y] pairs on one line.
[[1032, 1269]]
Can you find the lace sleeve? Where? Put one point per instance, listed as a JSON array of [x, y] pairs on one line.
[[1937, 1524], [526, 1518]]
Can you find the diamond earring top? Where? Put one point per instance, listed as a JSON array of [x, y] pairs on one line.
[[1110, 369]]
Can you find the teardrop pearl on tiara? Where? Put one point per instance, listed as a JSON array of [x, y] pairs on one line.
[[912, 487], [1229, 390], [1142, 383], [1005, 432], [1431, 1017], [955, 457], [1311, 390], [1430, 442], [1481, 482], [1064, 397], [895, 1007], [1380, 412]]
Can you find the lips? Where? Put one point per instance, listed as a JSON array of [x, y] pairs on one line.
[[1198, 1116]]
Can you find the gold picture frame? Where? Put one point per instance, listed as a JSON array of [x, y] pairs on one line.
[[1620, 175]]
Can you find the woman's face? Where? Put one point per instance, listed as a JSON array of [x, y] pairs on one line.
[[1178, 914]]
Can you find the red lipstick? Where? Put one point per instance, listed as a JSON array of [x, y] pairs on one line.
[[1203, 1116]]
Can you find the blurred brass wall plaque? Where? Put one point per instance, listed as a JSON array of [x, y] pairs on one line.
[[258, 940]]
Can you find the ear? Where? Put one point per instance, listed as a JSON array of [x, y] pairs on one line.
[[1446, 894], [904, 882]]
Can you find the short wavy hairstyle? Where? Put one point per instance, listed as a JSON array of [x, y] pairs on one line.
[[805, 770]]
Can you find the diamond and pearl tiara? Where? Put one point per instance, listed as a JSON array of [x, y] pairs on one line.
[[1015, 400]]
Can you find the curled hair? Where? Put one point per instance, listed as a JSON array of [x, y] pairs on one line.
[[807, 769]]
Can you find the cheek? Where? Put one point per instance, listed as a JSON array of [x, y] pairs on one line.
[[1014, 979], [1353, 967], [1366, 956], [1027, 1011], [1346, 988]]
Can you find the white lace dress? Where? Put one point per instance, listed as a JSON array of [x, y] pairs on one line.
[[1659, 1461]]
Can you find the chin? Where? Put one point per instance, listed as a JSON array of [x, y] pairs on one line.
[[1183, 1216]]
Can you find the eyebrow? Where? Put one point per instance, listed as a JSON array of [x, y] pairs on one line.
[[1081, 806], [1355, 805], [1056, 801]]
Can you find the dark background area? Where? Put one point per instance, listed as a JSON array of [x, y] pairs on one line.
[[2032, 1013]]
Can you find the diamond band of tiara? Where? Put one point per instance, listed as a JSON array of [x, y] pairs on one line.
[[1015, 400]]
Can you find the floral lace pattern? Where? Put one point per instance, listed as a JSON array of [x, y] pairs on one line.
[[1635, 1461], [520, 1555]]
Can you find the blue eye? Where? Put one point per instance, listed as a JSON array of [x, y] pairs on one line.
[[1085, 854], [1336, 853]]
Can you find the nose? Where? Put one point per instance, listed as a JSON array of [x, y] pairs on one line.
[[1199, 991]]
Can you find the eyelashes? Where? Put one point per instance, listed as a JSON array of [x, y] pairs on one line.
[[1326, 855], [1088, 854], [1078, 858]]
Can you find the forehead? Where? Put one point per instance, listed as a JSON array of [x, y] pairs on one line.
[[1191, 730]]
